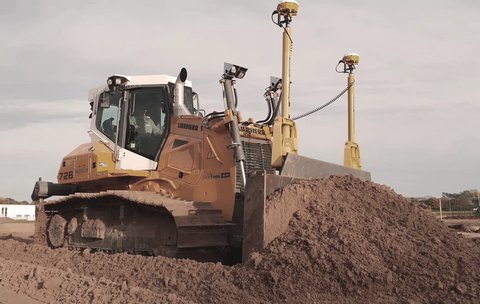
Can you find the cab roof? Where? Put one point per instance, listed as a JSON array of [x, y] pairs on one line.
[[136, 81]]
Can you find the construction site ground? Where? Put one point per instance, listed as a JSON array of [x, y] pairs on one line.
[[348, 242]]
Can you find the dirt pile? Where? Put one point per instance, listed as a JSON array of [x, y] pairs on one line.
[[361, 241], [351, 241]]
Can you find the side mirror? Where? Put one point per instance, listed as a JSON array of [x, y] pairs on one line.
[[105, 100]]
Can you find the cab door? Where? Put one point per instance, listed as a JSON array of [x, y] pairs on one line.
[[144, 124]]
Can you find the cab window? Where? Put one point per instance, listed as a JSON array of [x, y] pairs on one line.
[[108, 113], [147, 121]]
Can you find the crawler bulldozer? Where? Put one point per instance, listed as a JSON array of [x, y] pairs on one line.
[[160, 176]]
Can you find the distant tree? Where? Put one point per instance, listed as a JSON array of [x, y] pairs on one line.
[[462, 203], [459, 201], [432, 202], [476, 201], [413, 200]]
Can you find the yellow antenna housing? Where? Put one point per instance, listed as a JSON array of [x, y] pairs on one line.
[[352, 150], [284, 129]]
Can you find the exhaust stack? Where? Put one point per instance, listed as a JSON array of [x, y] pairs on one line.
[[179, 107]]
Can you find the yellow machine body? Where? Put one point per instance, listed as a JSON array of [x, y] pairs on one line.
[[202, 169]]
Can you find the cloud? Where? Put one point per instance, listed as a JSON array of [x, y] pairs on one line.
[[25, 112], [416, 81], [35, 150]]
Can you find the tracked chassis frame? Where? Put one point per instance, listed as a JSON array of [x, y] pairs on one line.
[[136, 222]]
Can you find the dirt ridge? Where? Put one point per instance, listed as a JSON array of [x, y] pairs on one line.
[[350, 242]]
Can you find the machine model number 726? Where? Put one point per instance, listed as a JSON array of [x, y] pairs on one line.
[[65, 175]]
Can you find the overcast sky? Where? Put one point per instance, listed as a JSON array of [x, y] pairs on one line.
[[417, 104]]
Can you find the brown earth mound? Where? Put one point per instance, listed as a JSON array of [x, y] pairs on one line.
[[350, 242], [11, 201], [362, 241]]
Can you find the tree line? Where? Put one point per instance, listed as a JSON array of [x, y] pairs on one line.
[[461, 201]]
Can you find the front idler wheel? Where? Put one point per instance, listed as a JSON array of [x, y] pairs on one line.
[[56, 231]]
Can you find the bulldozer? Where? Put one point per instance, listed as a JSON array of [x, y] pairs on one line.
[[160, 176]]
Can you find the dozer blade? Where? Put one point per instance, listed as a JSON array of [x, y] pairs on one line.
[[308, 168], [264, 223], [258, 228]]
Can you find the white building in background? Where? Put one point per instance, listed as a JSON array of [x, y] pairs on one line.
[[18, 212]]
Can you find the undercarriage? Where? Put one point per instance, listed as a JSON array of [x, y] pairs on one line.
[[137, 222]]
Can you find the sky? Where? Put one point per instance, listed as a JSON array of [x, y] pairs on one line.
[[417, 109]]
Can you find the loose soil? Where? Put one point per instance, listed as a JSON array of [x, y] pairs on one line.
[[348, 242]]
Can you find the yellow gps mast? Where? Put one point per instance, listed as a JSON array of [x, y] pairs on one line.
[[352, 150], [284, 130]]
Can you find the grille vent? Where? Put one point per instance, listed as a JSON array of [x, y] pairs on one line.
[[258, 155]]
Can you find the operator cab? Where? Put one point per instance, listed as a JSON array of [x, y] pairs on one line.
[[131, 115]]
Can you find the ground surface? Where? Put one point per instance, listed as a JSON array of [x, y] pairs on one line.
[[475, 222], [20, 229], [348, 242], [467, 227]]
